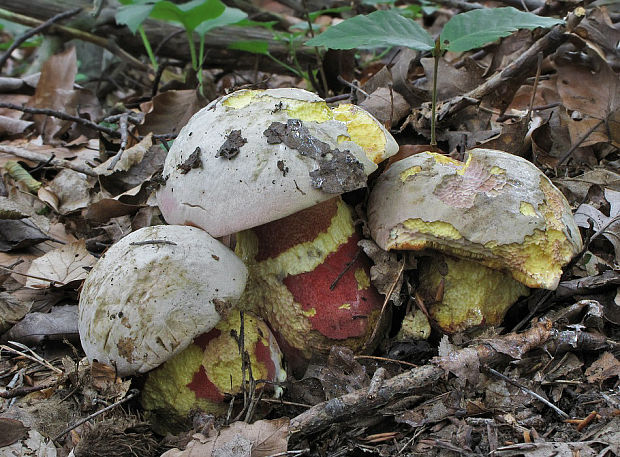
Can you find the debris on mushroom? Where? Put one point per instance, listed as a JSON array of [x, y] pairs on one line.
[[496, 208], [210, 369], [460, 294], [310, 281], [153, 292], [255, 156]]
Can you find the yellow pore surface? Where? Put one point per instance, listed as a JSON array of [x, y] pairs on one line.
[[473, 294], [362, 129]]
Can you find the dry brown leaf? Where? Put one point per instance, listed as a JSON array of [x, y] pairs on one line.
[[47, 195], [605, 367], [169, 111], [341, 375], [11, 431], [593, 92], [53, 91], [34, 328], [61, 267], [464, 363], [12, 311], [265, 438], [72, 189], [130, 157]]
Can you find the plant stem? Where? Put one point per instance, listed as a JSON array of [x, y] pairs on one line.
[[149, 51], [436, 55]]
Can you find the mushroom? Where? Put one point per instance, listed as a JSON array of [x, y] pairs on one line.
[[255, 156], [494, 210], [202, 375], [153, 292], [310, 281]]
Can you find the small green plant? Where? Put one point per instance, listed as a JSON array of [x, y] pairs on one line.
[[465, 31], [199, 16]]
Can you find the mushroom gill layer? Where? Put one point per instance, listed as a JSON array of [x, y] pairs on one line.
[[495, 208]]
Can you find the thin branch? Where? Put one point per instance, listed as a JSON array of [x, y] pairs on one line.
[[61, 115], [39, 157], [132, 393], [32, 32], [529, 392], [73, 33]]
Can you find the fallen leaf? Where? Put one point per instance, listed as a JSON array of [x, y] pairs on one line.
[[464, 363], [12, 311], [341, 375], [130, 157], [386, 273], [169, 111], [587, 215], [62, 266], [11, 431], [19, 234], [605, 367], [266, 438], [72, 189], [59, 324]]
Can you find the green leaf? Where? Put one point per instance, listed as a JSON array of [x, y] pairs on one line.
[[476, 28], [228, 17], [253, 46], [378, 29], [133, 15], [190, 14]]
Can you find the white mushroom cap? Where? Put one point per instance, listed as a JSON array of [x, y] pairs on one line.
[[231, 168], [496, 208], [153, 292]]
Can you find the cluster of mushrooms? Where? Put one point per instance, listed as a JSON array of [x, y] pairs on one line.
[[269, 166]]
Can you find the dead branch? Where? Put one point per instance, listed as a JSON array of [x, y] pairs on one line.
[[358, 403], [218, 41], [504, 84], [61, 115], [588, 284], [30, 33], [39, 157]]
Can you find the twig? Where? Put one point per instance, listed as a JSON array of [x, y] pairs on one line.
[[132, 393], [293, 452], [385, 302], [357, 403], [534, 89], [516, 71], [73, 33], [39, 157], [36, 358], [319, 61], [122, 126], [385, 359], [142, 243], [529, 392], [32, 32], [40, 278], [61, 115], [546, 294], [25, 390], [346, 268], [568, 153]]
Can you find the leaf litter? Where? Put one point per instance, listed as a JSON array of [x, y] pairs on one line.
[[565, 121]]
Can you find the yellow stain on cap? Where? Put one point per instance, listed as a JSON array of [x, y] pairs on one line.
[[363, 129], [409, 172], [527, 209], [241, 99], [438, 229]]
